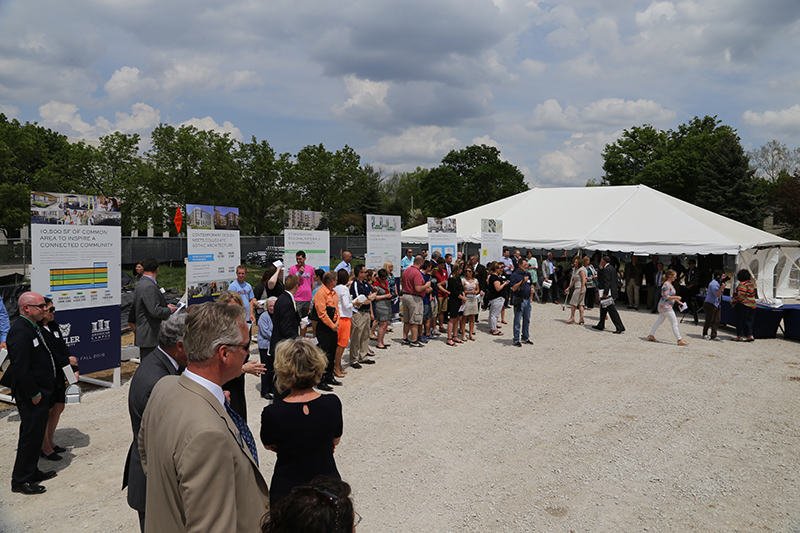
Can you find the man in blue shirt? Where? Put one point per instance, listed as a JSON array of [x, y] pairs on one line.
[[711, 305], [407, 261], [246, 291], [345, 264], [521, 298]]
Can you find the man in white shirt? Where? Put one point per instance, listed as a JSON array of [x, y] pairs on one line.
[[345, 264]]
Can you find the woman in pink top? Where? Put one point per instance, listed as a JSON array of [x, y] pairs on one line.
[[665, 312]]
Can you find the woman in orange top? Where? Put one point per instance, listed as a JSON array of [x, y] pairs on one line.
[[326, 306]]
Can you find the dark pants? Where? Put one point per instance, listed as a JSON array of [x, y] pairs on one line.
[[611, 310], [590, 297], [327, 339], [712, 319], [552, 292], [268, 377], [690, 297], [32, 427], [745, 318]]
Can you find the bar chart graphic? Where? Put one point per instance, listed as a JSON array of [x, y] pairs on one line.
[[93, 277]]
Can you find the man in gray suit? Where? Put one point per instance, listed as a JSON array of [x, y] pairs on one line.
[[151, 308], [169, 359]]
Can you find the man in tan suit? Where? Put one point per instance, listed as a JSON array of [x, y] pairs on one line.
[[200, 460]]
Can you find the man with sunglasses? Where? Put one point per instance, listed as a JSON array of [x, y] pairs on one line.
[[32, 378]]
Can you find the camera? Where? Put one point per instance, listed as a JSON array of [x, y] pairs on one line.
[[724, 279]]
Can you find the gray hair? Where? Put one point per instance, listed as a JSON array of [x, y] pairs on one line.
[[268, 300], [171, 330], [210, 325]]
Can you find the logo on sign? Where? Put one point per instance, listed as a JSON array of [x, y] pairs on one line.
[[65, 334], [101, 330]]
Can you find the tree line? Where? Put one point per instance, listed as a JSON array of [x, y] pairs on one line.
[[702, 162], [184, 165]]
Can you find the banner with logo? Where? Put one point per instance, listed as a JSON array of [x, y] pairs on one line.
[[383, 241], [76, 260], [212, 234], [491, 240], [442, 236], [306, 231]]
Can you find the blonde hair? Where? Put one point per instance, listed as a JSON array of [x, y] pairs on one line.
[[669, 273], [226, 297], [298, 364]]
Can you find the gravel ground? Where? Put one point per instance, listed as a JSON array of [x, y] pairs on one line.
[[584, 431]]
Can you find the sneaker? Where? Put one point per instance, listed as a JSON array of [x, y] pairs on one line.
[[406, 341], [423, 339], [706, 337], [527, 341], [517, 344], [415, 344], [717, 339]]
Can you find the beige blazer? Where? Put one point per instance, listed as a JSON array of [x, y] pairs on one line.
[[200, 474]]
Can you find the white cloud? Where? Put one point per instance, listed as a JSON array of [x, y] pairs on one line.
[[242, 79], [785, 121], [604, 112], [532, 67], [420, 145], [656, 13], [209, 124], [579, 159], [9, 111], [66, 119], [127, 83], [366, 101], [142, 117]]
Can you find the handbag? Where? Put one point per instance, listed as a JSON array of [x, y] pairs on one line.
[[547, 284], [606, 302]]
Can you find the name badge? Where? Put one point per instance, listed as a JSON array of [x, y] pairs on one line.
[[35, 343]]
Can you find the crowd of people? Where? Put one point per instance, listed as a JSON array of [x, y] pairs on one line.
[[187, 398]]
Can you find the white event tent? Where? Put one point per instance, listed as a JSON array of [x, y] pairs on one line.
[[630, 219]]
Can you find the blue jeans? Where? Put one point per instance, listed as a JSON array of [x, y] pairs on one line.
[[524, 314]]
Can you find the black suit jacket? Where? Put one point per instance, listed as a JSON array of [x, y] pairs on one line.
[[608, 280], [152, 368], [285, 321], [32, 370]]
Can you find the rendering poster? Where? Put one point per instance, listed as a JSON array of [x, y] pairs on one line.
[[76, 260], [442, 236], [213, 250], [383, 241], [491, 240], [306, 231]]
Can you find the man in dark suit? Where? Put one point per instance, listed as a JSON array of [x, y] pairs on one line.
[[199, 456], [169, 359], [32, 378], [285, 325], [151, 308], [608, 287]]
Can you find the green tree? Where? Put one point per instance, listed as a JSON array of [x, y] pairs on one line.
[[786, 203], [192, 167], [261, 207], [729, 187], [773, 158], [469, 178], [698, 162]]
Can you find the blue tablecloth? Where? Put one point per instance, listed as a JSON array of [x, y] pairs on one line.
[[791, 321]]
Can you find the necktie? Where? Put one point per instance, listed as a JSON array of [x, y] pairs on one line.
[[244, 431]]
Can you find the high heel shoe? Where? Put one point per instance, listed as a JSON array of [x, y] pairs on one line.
[[571, 321], [580, 323]]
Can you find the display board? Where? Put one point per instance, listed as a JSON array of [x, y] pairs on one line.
[[383, 241], [76, 257], [442, 236], [491, 240], [306, 231], [213, 250]]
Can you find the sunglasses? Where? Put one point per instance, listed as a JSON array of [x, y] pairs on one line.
[[245, 347], [51, 310], [40, 306]]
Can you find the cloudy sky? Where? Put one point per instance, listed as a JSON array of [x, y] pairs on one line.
[[547, 82]]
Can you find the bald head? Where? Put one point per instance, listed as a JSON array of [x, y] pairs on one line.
[[31, 305], [418, 259]]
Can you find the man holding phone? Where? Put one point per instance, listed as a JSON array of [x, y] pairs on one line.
[[522, 297]]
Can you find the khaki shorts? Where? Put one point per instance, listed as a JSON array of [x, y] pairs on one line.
[[412, 309], [442, 305]]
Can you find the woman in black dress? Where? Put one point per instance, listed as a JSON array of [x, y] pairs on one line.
[[306, 426], [454, 303]]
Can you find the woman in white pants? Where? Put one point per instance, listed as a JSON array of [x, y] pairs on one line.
[[495, 296], [665, 312]]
